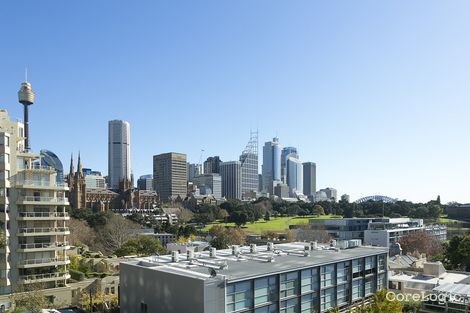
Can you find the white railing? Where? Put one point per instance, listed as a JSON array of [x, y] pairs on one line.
[[40, 183], [28, 230], [43, 276], [43, 261], [43, 199], [43, 214], [38, 167], [43, 245]]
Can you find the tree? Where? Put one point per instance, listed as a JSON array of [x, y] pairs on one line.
[[30, 299], [142, 246], [216, 230], [116, 232], [318, 210], [221, 242], [101, 302], [382, 304], [236, 235], [421, 242], [238, 217], [267, 217], [305, 233], [82, 234]]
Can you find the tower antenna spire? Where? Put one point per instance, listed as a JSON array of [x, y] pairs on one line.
[[26, 74]]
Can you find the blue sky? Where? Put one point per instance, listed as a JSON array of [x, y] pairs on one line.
[[376, 93]]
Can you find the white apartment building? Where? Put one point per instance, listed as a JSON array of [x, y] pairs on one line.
[[33, 216]]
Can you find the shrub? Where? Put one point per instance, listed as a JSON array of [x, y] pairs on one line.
[[77, 275]]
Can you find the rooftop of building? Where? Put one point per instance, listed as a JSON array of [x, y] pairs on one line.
[[243, 265]]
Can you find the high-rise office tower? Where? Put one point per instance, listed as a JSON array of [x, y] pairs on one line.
[[310, 178], [231, 179], [34, 215], [212, 165], [170, 174], [271, 169], [193, 171], [119, 153], [249, 166], [211, 183], [145, 182], [286, 152], [294, 176]]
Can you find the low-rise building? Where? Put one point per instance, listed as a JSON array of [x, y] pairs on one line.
[[295, 277]]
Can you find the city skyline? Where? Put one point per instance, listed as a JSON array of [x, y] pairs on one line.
[[381, 107]]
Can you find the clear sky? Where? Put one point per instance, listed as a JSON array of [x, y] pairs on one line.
[[375, 92]]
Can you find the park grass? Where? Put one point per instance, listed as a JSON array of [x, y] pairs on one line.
[[445, 220], [275, 224]]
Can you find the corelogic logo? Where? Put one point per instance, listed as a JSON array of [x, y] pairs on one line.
[[440, 298]]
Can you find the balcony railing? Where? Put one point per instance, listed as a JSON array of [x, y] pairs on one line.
[[38, 167], [43, 245], [43, 199], [43, 214], [40, 183], [43, 261], [44, 276], [28, 230]]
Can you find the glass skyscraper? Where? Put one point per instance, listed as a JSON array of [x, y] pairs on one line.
[[286, 152], [271, 169], [294, 175], [249, 166]]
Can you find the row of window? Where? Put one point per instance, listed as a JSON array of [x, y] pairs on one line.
[[307, 283]]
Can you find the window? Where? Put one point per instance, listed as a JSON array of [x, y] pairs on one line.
[[342, 294], [112, 290], [289, 283], [357, 267], [342, 270], [369, 286], [272, 308], [106, 291], [309, 303], [370, 264], [239, 296], [290, 306], [309, 280], [382, 262], [265, 290], [327, 298], [381, 282], [328, 275], [357, 291]]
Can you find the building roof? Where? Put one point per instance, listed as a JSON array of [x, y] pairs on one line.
[[454, 289], [287, 257], [401, 261]]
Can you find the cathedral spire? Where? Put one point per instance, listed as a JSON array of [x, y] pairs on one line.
[[72, 169], [80, 168]]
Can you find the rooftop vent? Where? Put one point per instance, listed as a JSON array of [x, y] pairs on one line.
[[252, 248], [174, 256], [235, 249], [212, 252], [270, 246]]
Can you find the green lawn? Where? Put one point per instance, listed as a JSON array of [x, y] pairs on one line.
[[445, 220], [274, 224]]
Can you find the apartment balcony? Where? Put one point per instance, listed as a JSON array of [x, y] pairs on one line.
[[38, 167], [46, 246], [43, 231], [43, 262], [43, 216], [41, 278], [39, 184], [37, 200]]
